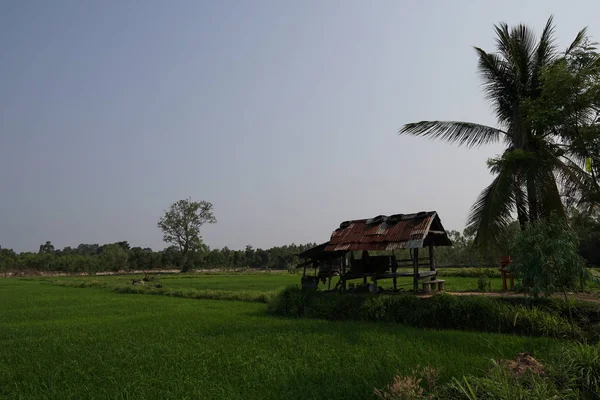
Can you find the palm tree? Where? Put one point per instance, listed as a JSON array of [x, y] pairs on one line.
[[527, 171]]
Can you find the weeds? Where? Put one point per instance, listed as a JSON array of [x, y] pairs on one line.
[[484, 283], [157, 289], [419, 386], [441, 311], [578, 366]]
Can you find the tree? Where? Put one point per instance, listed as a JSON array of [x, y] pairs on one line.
[[546, 258], [113, 257], [181, 225], [569, 103], [526, 172], [46, 248]]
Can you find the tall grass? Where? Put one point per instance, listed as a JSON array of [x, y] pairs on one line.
[[441, 311], [239, 295]]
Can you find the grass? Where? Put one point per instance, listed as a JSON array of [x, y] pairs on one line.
[[268, 282], [73, 343]]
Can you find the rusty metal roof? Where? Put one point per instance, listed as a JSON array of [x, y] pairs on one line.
[[319, 252], [399, 231]]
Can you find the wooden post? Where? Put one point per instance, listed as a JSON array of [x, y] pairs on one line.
[[342, 260], [304, 272], [394, 270], [431, 261], [415, 270]]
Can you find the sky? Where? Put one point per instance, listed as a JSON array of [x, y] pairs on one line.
[[283, 114]]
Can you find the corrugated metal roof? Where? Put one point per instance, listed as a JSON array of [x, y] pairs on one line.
[[400, 231]]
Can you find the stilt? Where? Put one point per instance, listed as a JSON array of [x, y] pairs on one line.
[[432, 262], [343, 259], [394, 270], [415, 257]]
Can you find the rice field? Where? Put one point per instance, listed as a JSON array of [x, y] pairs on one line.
[[91, 343]]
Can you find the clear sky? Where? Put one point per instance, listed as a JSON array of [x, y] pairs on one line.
[[283, 114]]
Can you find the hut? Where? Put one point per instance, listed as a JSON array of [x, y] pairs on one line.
[[387, 245]]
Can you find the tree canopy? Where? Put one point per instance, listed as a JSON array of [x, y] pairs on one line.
[[181, 224]]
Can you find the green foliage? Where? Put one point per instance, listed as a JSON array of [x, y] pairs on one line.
[[546, 258], [484, 283], [469, 272], [46, 248], [546, 104], [441, 311], [92, 258], [181, 225], [113, 257], [587, 227], [500, 384], [578, 366]]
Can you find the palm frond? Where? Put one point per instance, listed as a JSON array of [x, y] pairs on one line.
[[492, 211], [463, 133], [498, 83], [578, 41], [523, 50], [503, 40], [545, 52]]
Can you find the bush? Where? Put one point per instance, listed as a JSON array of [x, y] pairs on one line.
[[578, 366], [441, 311], [500, 384], [484, 283], [469, 272], [547, 258]]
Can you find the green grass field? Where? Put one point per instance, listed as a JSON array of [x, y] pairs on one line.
[[264, 281], [83, 343]]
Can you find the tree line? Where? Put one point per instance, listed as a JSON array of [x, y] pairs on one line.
[[120, 256]]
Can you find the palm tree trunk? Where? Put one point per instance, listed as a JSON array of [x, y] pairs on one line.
[[521, 210], [532, 199]]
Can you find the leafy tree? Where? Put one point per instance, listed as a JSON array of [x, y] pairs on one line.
[[546, 258], [526, 171], [46, 248], [569, 103], [8, 259], [249, 255], [587, 227], [88, 249], [171, 256], [113, 257], [181, 225]]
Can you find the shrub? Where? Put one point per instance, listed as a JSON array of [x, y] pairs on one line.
[[469, 272], [500, 384], [441, 311], [484, 283], [578, 366], [547, 258]]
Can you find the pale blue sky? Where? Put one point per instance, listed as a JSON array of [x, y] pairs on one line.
[[283, 114]]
